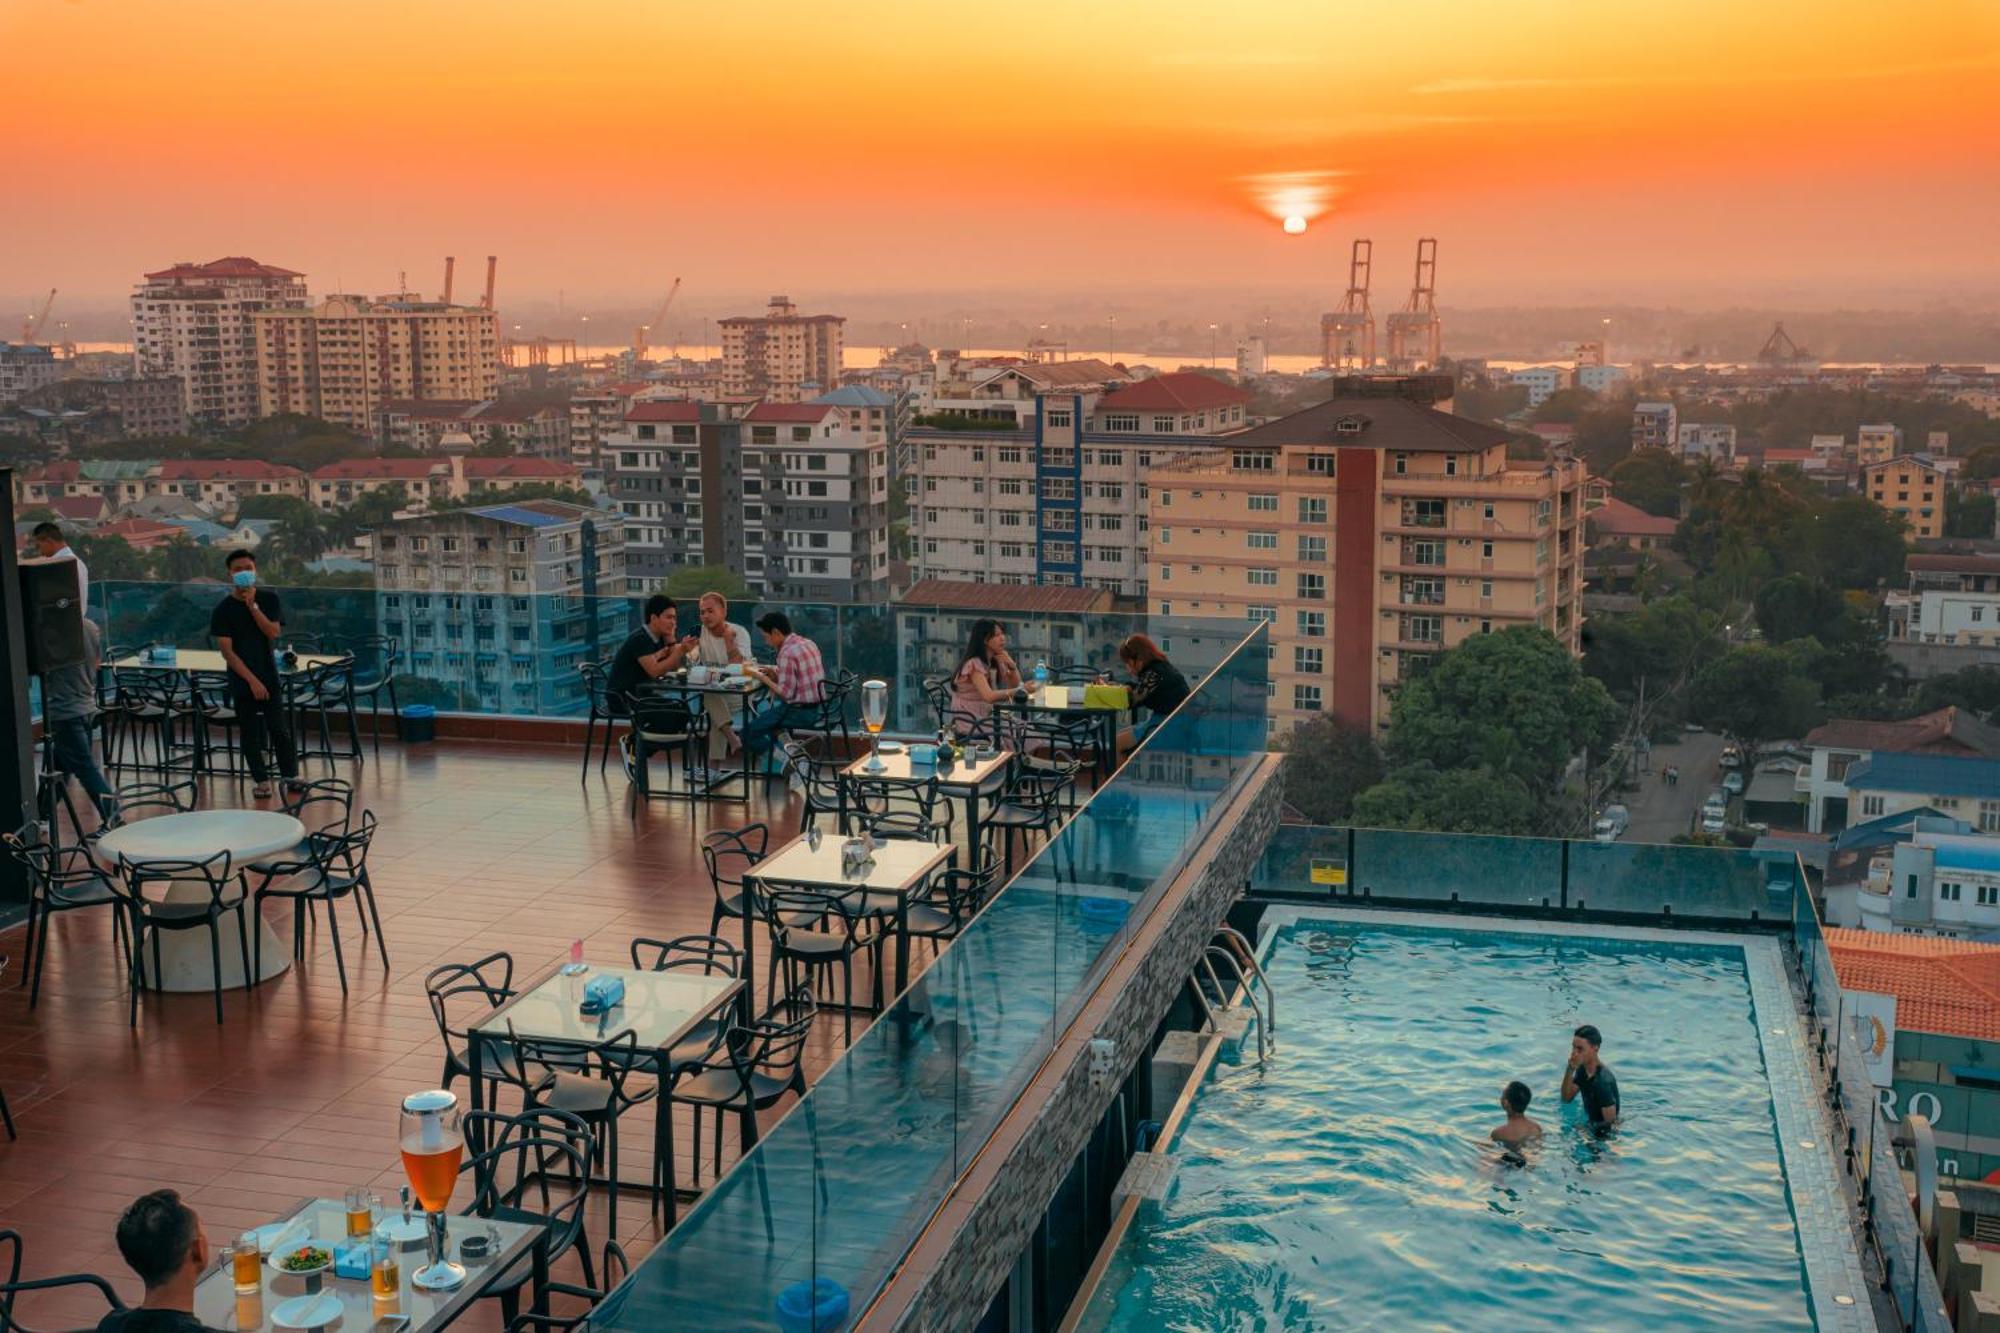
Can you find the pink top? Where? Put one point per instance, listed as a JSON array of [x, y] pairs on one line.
[[965, 695]]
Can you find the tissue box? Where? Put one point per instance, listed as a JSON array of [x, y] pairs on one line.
[[351, 1259], [158, 654], [603, 993], [923, 756]]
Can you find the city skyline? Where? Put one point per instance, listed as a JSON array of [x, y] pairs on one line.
[[1804, 152]]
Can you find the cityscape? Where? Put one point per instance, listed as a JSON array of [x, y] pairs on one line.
[[1258, 639]]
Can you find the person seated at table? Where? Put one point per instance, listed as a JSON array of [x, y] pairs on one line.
[[245, 627], [650, 651], [986, 672], [723, 643], [162, 1239], [798, 681], [1157, 686], [69, 702]]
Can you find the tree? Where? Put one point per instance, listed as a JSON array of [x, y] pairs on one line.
[[1567, 406], [1651, 480], [695, 580], [109, 558], [1851, 542], [1796, 606], [181, 561], [1756, 693], [1461, 800], [1968, 513], [1327, 764], [1976, 689], [1662, 643]]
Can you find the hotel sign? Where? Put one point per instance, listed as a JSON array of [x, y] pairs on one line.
[[1872, 1019]]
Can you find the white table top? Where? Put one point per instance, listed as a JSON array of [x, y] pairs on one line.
[[1058, 699], [901, 768], [200, 834], [901, 864], [207, 659], [659, 1007]]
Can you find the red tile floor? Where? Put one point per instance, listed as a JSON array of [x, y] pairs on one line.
[[481, 847]]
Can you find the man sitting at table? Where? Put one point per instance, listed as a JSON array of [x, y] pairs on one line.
[[245, 627], [723, 642], [161, 1238], [798, 681], [649, 652]]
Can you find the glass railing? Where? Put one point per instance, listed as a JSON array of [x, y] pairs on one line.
[[473, 650], [842, 1186]]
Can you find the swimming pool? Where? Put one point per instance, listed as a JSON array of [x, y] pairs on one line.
[[1351, 1183]]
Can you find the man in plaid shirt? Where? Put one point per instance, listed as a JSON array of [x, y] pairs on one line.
[[798, 681]]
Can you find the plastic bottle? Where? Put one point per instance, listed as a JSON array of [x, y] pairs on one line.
[[1041, 672]]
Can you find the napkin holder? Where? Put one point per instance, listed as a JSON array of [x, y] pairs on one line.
[[162, 653], [351, 1259], [857, 858], [602, 993]]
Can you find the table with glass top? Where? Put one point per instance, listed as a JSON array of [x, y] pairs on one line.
[[973, 780], [718, 684], [218, 1305], [1066, 703], [901, 868]]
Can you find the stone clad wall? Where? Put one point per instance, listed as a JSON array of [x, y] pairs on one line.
[[971, 1247]]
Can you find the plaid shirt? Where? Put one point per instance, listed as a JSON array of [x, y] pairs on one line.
[[801, 675]]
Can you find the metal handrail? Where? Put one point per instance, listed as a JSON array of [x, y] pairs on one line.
[[1249, 955]]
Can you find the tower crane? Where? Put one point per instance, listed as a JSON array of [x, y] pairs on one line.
[[34, 325], [639, 334]]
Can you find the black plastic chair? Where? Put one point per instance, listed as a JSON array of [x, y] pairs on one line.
[[60, 879], [521, 1158], [143, 800], [602, 709], [490, 980], [703, 955], [337, 868], [314, 696], [813, 932], [829, 719], [590, 1082], [820, 780], [727, 854], [912, 811], [950, 900], [665, 726], [7, 1119], [214, 710], [616, 1266], [375, 659], [150, 917], [1036, 801], [15, 1285], [938, 691]]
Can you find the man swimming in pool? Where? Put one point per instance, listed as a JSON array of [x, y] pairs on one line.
[[1592, 1078], [1518, 1130]]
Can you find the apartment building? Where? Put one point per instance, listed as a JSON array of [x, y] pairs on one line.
[[425, 479], [1940, 884], [217, 485], [958, 389], [1712, 440], [499, 604], [1055, 492], [531, 429], [781, 356], [24, 368], [1878, 444], [195, 322], [598, 412], [1601, 379], [1542, 382], [1910, 485], [1371, 533], [783, 493], [1655, 426], [346, 358]]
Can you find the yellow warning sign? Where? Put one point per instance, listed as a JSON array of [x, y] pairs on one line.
[[1329, 872]]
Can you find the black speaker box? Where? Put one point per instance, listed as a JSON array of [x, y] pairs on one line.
[[53, 614]]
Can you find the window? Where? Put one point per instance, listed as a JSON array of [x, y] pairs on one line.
[[1312, 509], [1319, 465], [1058, 420], [1267, 614], [1989, 895], [1262, 578], [1948, 893], [1488, 515], [1305, 698], [1010, 487], [1312, 587], [1263, 541], [1010, 455], [1251, 460], [1910, 887], [1058, 488], [1989, 816], [1312, 550], [1127, 421], [1308, 661], [1486, 550], [1111, 458], [1263, 504], [1423, 629], [1059, 520], [1423, 513], [1166, 536], [1312, 624], [1871, 806], [1059, 553], [1423, 590], [1424, 552]]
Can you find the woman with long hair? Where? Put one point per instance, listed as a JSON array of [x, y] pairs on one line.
[[1157, 686], [986, 671]]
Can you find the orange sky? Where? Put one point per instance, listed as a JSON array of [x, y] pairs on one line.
[[1658, 149]]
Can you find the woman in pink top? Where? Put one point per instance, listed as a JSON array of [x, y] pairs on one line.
[[985, 672]]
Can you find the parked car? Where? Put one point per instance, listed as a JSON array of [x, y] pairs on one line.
[[1611, 823], [1732, 782], [1695, 727], [1731, 757], [1716, 800], [1713, 821]]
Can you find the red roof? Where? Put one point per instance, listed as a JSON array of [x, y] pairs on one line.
[[802, 413], [1950, 730], [76, 508], [380, 469], [518, 469], [1947, 987], [1615, 518], [1181, 391], [51, 473], [663, 411], [141, 532], [224, 469], [1020, 598], [1953, 564], [233, 266], [1788, 455]]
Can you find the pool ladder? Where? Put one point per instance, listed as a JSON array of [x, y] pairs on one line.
[[1229, 946]]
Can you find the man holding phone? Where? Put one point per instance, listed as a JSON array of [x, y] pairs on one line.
[[245, 627]]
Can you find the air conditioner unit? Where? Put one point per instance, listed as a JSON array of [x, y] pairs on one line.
[[1465, 541]]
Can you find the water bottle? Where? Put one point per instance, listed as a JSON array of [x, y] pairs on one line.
[[1041, 672]]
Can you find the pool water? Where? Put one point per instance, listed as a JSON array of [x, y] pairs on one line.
[[1351, 1184]]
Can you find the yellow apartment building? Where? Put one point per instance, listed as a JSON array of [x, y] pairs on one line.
[[1910, 485], [344, 358]]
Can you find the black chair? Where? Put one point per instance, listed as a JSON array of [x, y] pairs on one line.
[[374, 673], [314, 695], [727, 854], [151, 708], [337, 868], [602, 709], [751, 1069], [703, 955], [813, 932], [151, 916], [913, 811], [829, 717], [15, 1285], [143, 800], [821, 782], [938, 690], [326, 807], [968, 727], [590, 1082], [616, 1266], [489, 982], [6, 1116], [950, 900], [1036, 801], [59, 880], [521, 1158], [665, 726], [214, 706]]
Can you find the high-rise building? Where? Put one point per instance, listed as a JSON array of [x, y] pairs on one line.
[[344, 359], [195, 321], [499, 604], [24, 368], [786, 494], [781, 356], [1542, 382], [1372, 533]]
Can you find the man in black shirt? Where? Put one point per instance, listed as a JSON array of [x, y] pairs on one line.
[[648, 652], [1592, 1078], [162, 1239], [245, 627]]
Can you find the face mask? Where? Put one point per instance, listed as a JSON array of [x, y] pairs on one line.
[[244, 578]]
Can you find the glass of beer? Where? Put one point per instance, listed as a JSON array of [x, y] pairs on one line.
[[874, 716], [433, 1146], [385, 1276], [246, 1263], [361, 1209]]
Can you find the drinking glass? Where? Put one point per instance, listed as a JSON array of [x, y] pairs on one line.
[[362, 1206], [385, 1276], [874, 716], [433, 1147], [247, 1264]]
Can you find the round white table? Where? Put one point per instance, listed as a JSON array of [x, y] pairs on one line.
[[246, 835]]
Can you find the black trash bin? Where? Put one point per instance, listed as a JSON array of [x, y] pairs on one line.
[[419, 724]]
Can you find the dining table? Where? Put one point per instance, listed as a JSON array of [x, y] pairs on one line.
[[1065, 703], [978, 777], [900, 867], [716, 683], [195, 835]]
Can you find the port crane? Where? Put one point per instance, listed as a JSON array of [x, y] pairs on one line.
[[33, 326], [639, 334]]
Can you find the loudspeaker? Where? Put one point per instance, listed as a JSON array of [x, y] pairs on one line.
[[53, 613]]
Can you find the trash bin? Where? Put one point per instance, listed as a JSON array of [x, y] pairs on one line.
[[419, 724], [818, 1306]]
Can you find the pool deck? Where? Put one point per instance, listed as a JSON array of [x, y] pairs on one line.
[[1837, 1283]]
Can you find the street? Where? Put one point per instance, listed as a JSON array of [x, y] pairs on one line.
[[1661, 813]]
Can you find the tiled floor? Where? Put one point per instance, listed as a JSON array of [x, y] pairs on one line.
[[482, 847]]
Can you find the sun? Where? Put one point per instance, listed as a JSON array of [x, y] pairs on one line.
[[1294, 225]]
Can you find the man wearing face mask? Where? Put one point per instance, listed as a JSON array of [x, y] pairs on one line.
[[245, 628]]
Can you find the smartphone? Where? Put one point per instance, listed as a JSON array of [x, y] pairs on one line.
[[390, 1323]]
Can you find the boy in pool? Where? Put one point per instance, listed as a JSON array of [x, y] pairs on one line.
[[1519, 1130]]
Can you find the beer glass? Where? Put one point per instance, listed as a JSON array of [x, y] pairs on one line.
[[361, 1209], [246, 1263], [874, 715], [433, 1147]]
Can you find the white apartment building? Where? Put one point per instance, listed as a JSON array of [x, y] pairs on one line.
[[1655, 426], [1843, 747], [1707, 439], [1058, 497], [24, 368], [1602, 379], [1935, 884], [1542, 382], [195, 321]]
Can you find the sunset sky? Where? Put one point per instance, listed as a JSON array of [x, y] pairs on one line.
[[1689, 150]]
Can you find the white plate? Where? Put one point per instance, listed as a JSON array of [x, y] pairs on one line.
[[307, 1311], [891, 747], [396, 1230]]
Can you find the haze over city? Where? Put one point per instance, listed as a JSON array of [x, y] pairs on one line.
[[1815, 155]]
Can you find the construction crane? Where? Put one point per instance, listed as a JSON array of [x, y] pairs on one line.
[[1347, 335], [1780, 350], [639, 334], [33, 326], [1415, 332]]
